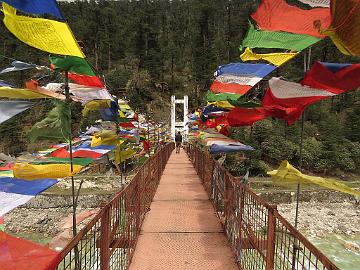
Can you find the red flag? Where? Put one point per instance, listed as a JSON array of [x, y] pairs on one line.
[[127, 125], [336, 78], [21, 254], [146, 145], [245, 116], [219, 87], [277, 15]]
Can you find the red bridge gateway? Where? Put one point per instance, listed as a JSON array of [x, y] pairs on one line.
[[185, 211]]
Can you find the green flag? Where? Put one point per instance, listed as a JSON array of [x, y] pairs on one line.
[[76, 161], [212, 97], [56, 125], [280, 40]]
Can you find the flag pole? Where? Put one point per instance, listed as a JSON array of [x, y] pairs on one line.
[[74, 197], [307, 59]]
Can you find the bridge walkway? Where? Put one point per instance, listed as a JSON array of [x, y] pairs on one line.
[[182, 231]]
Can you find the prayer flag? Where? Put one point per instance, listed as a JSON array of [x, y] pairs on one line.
[[56, 125], [10, 108], [277, 15], [257, 38], [123, 155], [274, 58], [345, 26], [94, 105], [21, 254], [15, 192], [336, 78], [79, 70], [317, 3], [43, 34], [218, 148], [15, 93], [286, 174], [18, 66], [238, 78], [32, 171], [37, 7], [290, 94], [210, 96]]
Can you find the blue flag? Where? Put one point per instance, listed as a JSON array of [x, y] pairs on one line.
[[36, 7], [244, 69]]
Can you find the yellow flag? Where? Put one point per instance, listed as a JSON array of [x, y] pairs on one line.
[[30, 171], [7, 92], [287, 175], [106, 137], [222, 104], [96, 105], [121, 156], [43, 34], [275, 58]]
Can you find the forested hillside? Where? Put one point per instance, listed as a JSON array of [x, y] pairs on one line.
[[148, 50]]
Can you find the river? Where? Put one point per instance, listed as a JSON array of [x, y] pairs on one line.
[[333, 247]]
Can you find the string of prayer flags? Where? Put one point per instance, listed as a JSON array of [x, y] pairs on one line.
[[345, 26], [84, 151], [276, 59], [277, 15], [336, 78], [286, 174], [123, 155], [257, 38], [46, 35]]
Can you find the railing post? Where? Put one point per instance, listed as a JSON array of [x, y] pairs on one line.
[[270, 249], [105, 240]]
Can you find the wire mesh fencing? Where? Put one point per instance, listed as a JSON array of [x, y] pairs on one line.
[[108, 241], [260, 237]]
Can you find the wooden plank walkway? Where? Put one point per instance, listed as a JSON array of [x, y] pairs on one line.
[[181, 231]]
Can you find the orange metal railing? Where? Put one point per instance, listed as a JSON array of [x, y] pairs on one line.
[[260, 237], [108, 240]]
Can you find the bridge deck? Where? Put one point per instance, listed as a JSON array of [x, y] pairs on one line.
[[181, 231]]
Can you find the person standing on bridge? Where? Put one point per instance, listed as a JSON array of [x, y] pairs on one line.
[[178, 142]]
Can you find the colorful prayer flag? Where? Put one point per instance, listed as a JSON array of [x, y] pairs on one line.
[[257, 38], [43, 34], [277, 15], [238, 78], [274, 58], [15, 192]]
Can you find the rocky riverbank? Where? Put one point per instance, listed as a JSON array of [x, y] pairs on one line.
[[322, 219]]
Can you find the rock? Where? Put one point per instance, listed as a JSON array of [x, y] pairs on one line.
[[352, 246]]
